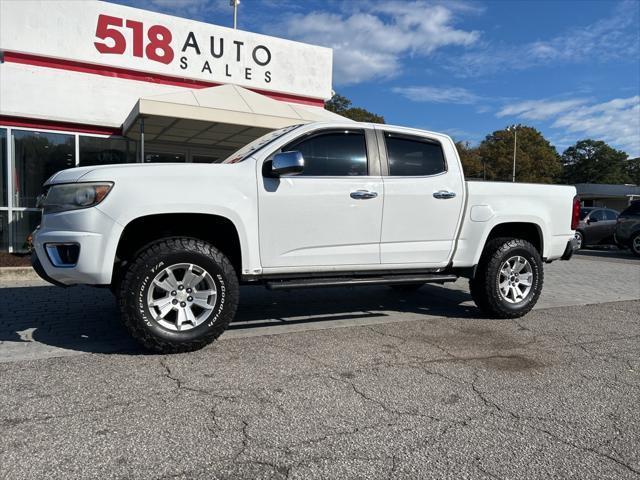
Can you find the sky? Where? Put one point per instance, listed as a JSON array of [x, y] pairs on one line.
[[571, 69]]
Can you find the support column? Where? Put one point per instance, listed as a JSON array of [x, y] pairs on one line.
[[10, 187], [141, 139]]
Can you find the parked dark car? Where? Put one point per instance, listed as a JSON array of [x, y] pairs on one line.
[[597, 227], [628, 228]]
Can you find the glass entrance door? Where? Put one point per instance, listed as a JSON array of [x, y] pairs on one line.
[[35, 156]]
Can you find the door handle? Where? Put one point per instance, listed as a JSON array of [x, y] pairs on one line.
[[363, 194], [444, 194]]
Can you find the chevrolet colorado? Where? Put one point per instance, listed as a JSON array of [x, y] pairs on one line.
[[314, 205]]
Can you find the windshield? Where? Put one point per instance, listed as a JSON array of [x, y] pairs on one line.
[[259, 143], [584, 212]]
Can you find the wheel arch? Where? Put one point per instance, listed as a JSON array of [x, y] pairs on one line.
[[141, 231], [529, 231], [526, 230]]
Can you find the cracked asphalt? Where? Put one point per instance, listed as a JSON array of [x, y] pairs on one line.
[[410, 386], [554, 394]]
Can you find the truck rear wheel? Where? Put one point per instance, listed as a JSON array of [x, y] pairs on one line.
[[509, 277], [178, 295]]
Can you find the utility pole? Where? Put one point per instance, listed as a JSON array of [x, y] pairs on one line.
[[515, 146], [234, 4]]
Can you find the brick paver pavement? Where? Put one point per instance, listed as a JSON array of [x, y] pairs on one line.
[[41, 321]]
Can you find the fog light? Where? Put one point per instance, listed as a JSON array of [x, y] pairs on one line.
[[63, 254]]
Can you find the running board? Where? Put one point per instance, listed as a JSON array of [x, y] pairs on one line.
[[359, 281]]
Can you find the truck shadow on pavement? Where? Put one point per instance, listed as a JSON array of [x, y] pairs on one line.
[[87, 319]]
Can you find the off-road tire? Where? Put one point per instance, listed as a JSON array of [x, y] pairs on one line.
[[632, 242], [139, 275], [407, 287], [484, 286]]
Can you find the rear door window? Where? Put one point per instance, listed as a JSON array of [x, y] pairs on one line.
[[411, 156]]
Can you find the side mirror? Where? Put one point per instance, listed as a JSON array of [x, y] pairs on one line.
[[287, 163]]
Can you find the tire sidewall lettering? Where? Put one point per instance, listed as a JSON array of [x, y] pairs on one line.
[[142, 304], [221, 300]]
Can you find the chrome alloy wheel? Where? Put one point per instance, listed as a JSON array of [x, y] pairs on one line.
[[515, 279], [635, 244], [182, 296]]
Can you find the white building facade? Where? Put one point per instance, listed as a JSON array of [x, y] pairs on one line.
[[90, 83]]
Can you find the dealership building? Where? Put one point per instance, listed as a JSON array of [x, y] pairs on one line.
[[93, 83]]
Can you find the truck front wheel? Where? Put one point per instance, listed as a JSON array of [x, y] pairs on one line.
[[178, 295], [509, 277]]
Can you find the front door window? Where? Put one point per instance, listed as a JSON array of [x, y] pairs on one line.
[[333, 154]]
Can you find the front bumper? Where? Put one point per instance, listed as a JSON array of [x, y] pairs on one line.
[[37, 266], [94, 232]]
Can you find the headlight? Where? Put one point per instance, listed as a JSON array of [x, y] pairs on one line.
[[72, 196]]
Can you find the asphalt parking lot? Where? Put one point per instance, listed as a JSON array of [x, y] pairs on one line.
[[356, 383]]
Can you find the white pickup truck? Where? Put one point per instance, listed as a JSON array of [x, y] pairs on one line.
[[314, 205]]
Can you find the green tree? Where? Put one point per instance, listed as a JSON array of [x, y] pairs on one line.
[[337, 104], [342, 106], [633, 170], [471, 161], [537, 161], [593, 161]]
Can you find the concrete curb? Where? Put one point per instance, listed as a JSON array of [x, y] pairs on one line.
[[18, 274]]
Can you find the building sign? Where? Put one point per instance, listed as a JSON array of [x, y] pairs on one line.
[[113, 35]]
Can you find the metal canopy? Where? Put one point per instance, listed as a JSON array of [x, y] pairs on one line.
[[225, 117]]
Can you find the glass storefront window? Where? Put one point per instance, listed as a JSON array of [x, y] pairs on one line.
[[4, 230], [160, 157], [3, 168], [24, 222], [37, 156], [106, 151]]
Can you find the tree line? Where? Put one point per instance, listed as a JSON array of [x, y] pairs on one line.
[[537, 161]]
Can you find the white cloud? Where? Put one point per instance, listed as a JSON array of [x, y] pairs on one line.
[[611, 38], [539, 109], [616, 121], [427, 94], [371, 44]]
